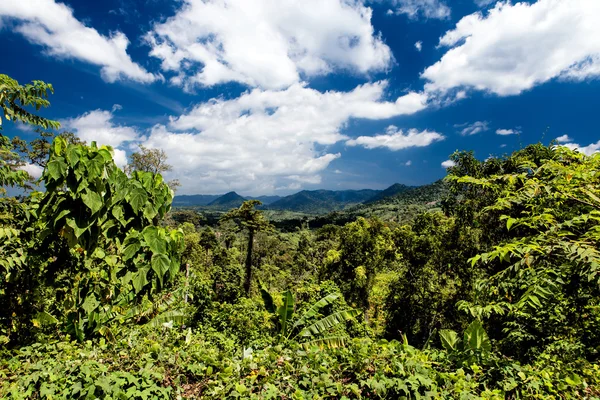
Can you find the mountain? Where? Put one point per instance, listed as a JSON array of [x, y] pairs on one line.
[[266, 200], [194, 200], [322, 201], [227, 201], [392, 191]]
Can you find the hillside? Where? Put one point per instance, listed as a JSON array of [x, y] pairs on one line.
[[194, 200], [322, 201], [227, 201], [395, 189]]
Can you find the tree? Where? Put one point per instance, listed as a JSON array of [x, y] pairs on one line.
[[14, 100], [253, 221], [542, 295], [151, 160], [365, 247], [37, 150]]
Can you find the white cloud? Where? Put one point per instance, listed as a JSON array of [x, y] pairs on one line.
[[421, 8], [564, 139], [513, 48], [484, 3], [506, 132], [474, 128], [116, 107], [52, 25], [503, 145], [587, 150], [265, 43], [266, 140], [448, 164], [395, 139], [408, 163], [98, 126], [419, 45], [35, 171]]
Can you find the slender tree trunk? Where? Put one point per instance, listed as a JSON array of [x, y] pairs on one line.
[[249, 263]]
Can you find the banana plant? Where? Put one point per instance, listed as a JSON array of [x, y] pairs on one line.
[[474, 347], [297, 328]]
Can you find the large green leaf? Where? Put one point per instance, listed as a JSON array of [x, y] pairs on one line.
[[286, 311], [138, 199], [92, 200], [56, 168], [476, 337], [90, 303], [324, 324], [160, 265], [140, 279], [329, 299], [155, 239], [449, 339], [330, 342]]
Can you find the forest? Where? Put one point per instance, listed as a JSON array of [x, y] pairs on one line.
[[485, 285]]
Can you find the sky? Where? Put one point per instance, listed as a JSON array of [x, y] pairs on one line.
[[275, 96]]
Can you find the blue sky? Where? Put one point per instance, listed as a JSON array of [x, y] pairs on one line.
[[275, 96]]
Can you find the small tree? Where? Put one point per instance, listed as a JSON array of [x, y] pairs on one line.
[[252, 220], [151, 160]]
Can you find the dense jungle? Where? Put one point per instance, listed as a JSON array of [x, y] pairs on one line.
[[484, 286]]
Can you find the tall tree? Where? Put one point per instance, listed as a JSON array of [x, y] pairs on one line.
[[151, 160], [247, 217]]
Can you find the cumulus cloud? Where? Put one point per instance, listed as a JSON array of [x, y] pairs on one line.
[[408, 163], [264, 43], [97, 126], [448, 164], [512, 48], [564, 139], [476, 127], [35, 171], [396, 139], [506, 132], [268, 139], [414, 9], [419, 45], [53, 26], [587, 150]]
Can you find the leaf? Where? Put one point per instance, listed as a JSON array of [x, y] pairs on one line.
[[43, 318], [56, 168], [140, 280], [329, 299], [130, 248], [330, 342], [154, 238], [90, 303], [285, 311], [324, 324], [476, 337], [449, 339], [138, 199], [510, 222], [173, 316], [160, 265], [92, 200]]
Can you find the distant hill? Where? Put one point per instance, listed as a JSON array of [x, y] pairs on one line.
[[322, 201], [266, 200], [394, 190], [227, 201], [194, 200]]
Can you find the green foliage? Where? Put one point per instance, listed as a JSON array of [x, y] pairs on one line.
[[90, 243], [307, 326]]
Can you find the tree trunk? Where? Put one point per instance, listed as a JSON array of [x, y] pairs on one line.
[[249, 263]]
